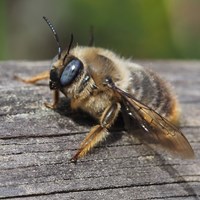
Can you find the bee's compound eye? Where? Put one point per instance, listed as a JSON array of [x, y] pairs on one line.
[[70, 72]]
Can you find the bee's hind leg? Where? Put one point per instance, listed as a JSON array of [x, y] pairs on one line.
[[98, 132]]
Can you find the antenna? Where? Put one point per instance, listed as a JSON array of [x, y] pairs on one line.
[[69, 47], [70, 43], [55, 36], [91, 39]]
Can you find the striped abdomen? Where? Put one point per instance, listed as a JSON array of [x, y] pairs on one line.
[[152, 91]]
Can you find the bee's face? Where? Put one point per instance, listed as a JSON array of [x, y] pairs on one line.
[[63, 74]]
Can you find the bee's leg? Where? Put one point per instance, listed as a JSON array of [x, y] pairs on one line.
[[38, 77], [98, 132], [34, 79], [54, 104]]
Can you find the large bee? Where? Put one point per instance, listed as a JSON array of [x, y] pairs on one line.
[[103, 84]]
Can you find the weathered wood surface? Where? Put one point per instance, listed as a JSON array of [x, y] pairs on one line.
[[36, 144]]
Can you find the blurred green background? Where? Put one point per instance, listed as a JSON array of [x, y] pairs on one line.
[[142, 29]]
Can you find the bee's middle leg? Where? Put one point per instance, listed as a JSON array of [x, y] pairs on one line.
[[98, 132]]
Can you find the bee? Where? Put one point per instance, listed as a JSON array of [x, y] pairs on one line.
[[103, 84]]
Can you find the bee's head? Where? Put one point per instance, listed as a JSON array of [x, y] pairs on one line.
[[66, 67], [65, 74]]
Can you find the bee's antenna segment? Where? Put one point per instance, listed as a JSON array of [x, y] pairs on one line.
[[69, 47], [55, 36], [91, 39], [70, 44]]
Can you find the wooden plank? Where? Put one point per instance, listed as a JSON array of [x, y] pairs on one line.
[[36, 144]]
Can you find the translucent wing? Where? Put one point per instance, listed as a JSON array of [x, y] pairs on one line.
[[156, 127]]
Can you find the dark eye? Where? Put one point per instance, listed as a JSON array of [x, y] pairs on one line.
[[70, 72]]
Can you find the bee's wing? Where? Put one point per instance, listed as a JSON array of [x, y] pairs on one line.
[[155, 127]]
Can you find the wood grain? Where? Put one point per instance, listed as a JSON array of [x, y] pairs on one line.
[[36, 144]]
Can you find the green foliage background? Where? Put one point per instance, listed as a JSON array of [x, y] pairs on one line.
[[144, 29]]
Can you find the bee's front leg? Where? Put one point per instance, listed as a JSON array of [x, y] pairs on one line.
[[98, 132], [56, 98], [42, 76], [34, 79]]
